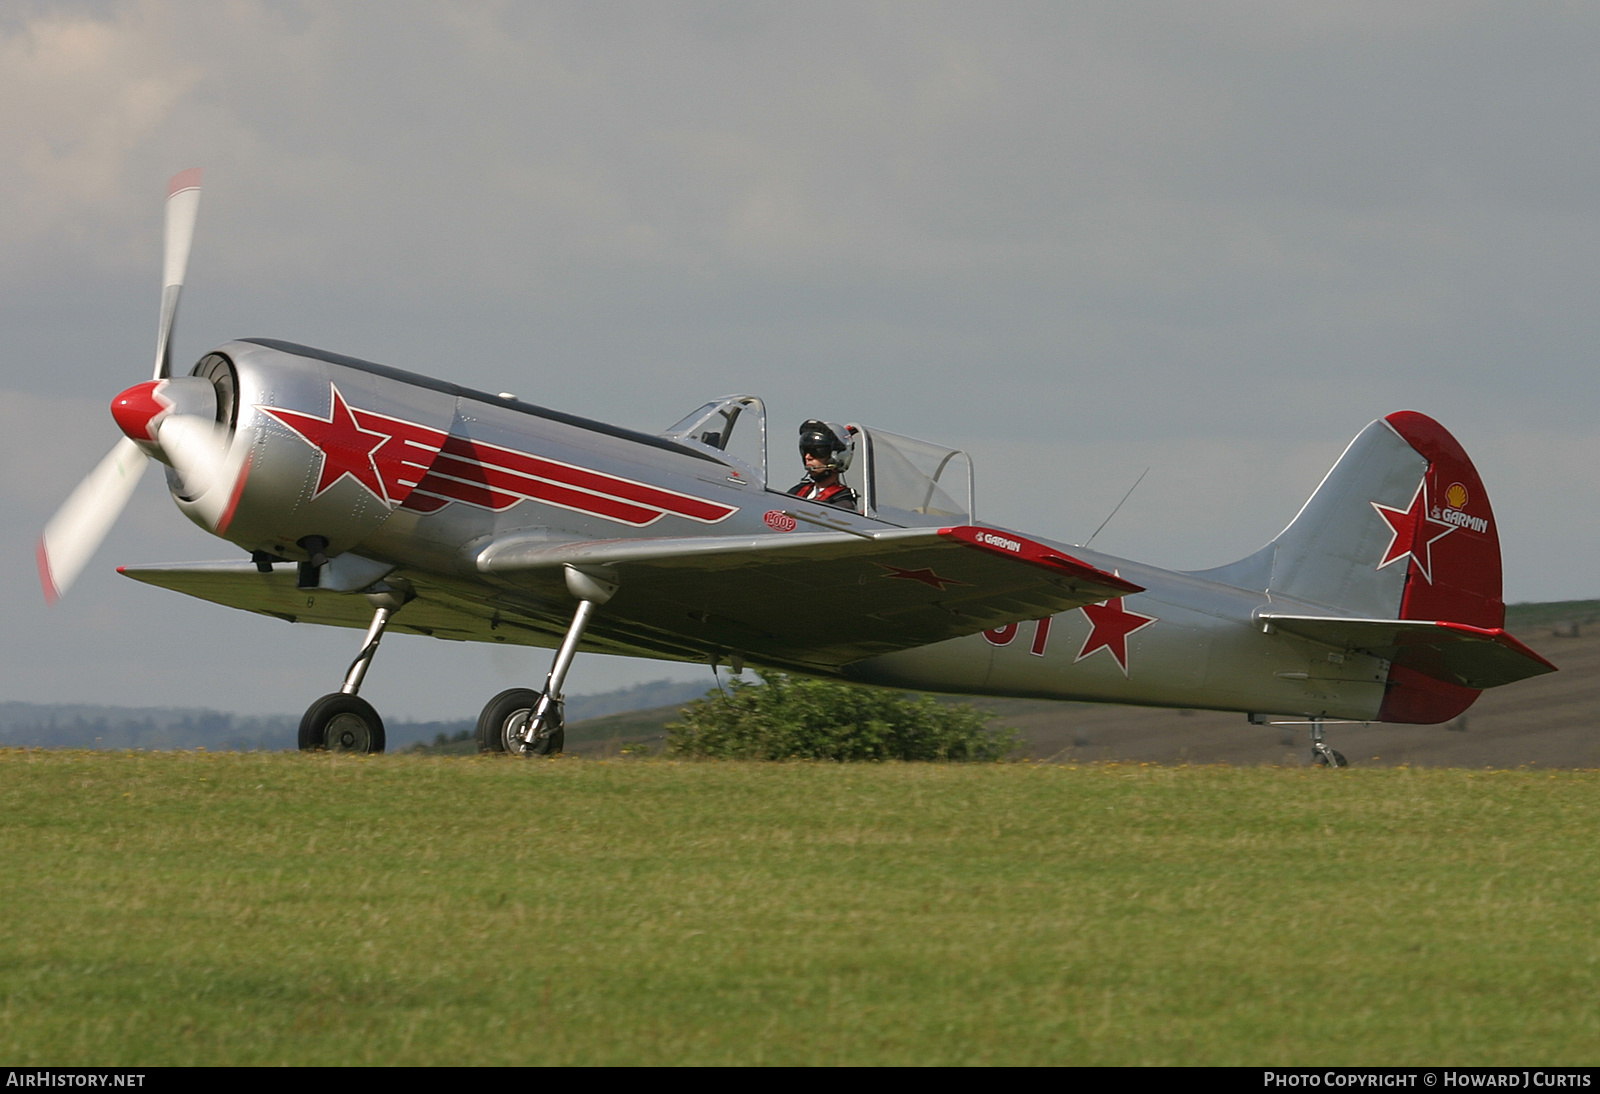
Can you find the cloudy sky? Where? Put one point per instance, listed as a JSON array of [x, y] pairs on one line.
[[1077, 239]]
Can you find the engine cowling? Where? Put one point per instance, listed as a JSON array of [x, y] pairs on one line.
[[312, 456]]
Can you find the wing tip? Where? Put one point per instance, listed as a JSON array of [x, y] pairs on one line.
[[1010, 544], [1502, 637]]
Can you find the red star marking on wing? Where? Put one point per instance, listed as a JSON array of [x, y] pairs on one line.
[[346, 448], [1109, 626], [1409, 533], [926, 576]]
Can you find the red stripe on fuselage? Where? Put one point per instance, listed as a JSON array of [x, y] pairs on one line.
[[469, 492], [627, 490], [498, 479], [407, 453], [425, 503]]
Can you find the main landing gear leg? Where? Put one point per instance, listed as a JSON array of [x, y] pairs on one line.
[[1321, 754], [531, 723], [343, 721]]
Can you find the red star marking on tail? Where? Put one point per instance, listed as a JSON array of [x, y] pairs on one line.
[[346, 448], [1109, 626], [925, 575], [1409, 533]]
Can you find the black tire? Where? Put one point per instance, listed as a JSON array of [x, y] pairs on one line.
[[1338, 759], [504, 713], [341, 723]]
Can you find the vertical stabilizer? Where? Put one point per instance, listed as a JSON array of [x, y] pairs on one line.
[[1401, 528]]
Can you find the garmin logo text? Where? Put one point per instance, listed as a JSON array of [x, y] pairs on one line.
[[1000, 541], [1462, 520]]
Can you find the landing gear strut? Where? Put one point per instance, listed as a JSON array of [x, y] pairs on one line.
[[343, 721], [531, 723], [1321, 754]]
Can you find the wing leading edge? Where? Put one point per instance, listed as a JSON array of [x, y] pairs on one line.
[[810, 600], [817, 599]]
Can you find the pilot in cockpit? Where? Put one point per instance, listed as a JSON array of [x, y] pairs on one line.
[[825, 450]]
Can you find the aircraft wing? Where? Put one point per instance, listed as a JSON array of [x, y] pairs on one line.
[[1475, 657], [816, 599], [438, 610]]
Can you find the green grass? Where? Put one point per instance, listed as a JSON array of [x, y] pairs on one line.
[[192, 908]]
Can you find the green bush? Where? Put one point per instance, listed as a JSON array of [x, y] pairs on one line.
[[792, 718]]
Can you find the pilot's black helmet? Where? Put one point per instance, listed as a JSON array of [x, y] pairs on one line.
[[830, 443]]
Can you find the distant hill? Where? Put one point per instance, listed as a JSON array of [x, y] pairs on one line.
[[657, 693], [1527, 619], [80, 725]]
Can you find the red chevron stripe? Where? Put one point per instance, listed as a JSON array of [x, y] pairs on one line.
[[471, 493], [403, 458], [626, 489], [504, 483], [425, 503]]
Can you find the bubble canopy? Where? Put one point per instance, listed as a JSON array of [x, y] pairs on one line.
[[900, 480]]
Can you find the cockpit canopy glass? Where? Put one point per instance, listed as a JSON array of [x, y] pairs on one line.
[[900, 480], [909, 482], [734, 428]]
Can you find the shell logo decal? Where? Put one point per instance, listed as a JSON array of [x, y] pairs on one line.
[[1456, 496]]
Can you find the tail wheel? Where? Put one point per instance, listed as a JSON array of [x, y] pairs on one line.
[[504, 716], [341, 723]]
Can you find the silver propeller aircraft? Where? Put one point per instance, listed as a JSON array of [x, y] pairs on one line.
[[369, 497]]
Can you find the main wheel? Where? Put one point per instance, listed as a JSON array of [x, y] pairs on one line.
[[504, 715], [341, 723], [1338, 759]]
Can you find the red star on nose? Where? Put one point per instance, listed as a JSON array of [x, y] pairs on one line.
[[1109, 626], [926, 576], [1409, 533], [346, 448]]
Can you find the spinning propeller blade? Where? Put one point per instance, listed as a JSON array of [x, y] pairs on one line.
[[188, 442], [90, 510], [183, 206], [197, 448]]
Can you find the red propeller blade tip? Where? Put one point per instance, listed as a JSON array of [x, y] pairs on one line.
[[188, 179]]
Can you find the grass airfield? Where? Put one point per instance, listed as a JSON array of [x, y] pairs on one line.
[[259, 908]]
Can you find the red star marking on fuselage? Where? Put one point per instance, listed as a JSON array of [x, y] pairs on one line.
[[1110, 624], [926, 576], [1409, 533], [346, 448]]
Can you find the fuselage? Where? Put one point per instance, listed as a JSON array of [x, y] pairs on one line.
[[345, 456]]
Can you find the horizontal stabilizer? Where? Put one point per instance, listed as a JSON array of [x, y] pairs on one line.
[[1456, 653]]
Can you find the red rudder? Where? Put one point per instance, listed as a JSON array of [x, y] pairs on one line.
[[1453, 569]]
